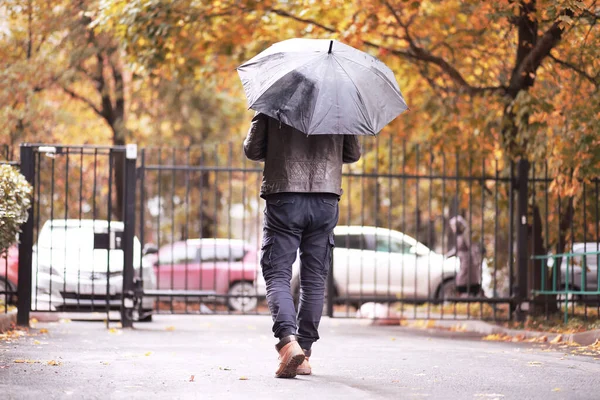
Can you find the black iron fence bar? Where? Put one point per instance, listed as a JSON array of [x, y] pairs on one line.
[[111, 169], [127, 293], [198, 168], [522, 234], [345, 174], [60, 147], [142, 209], [26, 244]]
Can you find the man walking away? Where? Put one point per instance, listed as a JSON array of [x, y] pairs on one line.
[[301, 184]]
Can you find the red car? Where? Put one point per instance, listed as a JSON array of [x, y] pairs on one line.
[[225, 266], [9, 274]]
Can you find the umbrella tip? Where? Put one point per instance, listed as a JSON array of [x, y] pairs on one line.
[[330, 46]]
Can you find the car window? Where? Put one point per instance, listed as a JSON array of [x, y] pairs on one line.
[[392, 245], [219, 252], [67, 237], [353, 241], [176, 254], [591, 259]]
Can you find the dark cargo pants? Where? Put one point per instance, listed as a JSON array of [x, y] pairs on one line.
[[295, 221]]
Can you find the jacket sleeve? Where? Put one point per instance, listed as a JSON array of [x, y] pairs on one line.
[[255, 145], [351, 152]]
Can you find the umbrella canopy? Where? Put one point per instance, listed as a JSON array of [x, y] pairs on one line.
[[321, 86]]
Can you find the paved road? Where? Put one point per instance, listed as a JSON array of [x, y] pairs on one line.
[[232, 357]]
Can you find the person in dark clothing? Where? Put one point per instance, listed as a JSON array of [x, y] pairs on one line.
[[301, 184]]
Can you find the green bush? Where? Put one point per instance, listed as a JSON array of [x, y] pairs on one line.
[[15, 199]]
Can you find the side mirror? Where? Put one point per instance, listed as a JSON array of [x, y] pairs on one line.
[[149, 248]]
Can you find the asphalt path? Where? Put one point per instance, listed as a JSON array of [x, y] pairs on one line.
[[233, 357]]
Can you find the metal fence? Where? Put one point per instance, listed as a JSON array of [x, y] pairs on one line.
[[178, 230]]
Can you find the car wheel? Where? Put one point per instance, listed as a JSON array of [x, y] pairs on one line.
[[146, 316], [242, 297], [447, 290]]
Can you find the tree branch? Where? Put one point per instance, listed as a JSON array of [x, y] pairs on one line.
[[415, 53], [524, 72], [303, 20], [593, 79], [83, 99]]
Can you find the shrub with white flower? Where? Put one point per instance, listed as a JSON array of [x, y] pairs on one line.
[[15, 199]]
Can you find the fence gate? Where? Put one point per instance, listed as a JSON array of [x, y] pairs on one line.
[[200, 220], [77, 248]]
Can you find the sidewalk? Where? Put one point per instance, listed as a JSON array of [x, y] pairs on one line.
[[233, 357]]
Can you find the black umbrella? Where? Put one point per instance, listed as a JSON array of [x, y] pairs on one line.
[[322, 86]]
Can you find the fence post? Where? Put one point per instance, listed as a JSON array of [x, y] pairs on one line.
[[522, 234], [127, 294], [26, 243]]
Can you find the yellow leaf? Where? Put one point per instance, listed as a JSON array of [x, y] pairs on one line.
[[37, 342], [148, 353], [54, 363], [170, 328], [43, 330], [243, 378], [33, 320], [556, 390], [534, 363], [556, 340]]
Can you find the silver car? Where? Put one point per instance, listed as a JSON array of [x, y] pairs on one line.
[[78, 266]]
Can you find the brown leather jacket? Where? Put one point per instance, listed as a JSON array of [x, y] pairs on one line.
[[296, 162]]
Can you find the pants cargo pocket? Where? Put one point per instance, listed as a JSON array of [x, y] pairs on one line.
[[330, 250], [266, 249]]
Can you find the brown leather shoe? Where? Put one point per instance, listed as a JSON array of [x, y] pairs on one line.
[[304, 368], [290, 357]]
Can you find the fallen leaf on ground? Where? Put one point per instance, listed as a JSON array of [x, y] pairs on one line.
[[148, 353], [64, 320], [534, 363], [20, 361], [243, 378], [557, 339], [556, 390], [43, 330], [115, 331], [33, 320], [500, 337], [54, 363], [458, 328], [170, 328], [225, 368], [105, 363], [192, 378], [37, 342]]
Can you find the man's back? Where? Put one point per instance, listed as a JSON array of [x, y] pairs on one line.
[[296, 162]]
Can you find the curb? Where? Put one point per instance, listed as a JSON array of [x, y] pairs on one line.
[[582, 338], [7, 321]]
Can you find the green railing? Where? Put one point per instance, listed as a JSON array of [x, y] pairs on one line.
[[567, 287]]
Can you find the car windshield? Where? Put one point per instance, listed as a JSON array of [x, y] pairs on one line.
[[67, 237]]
